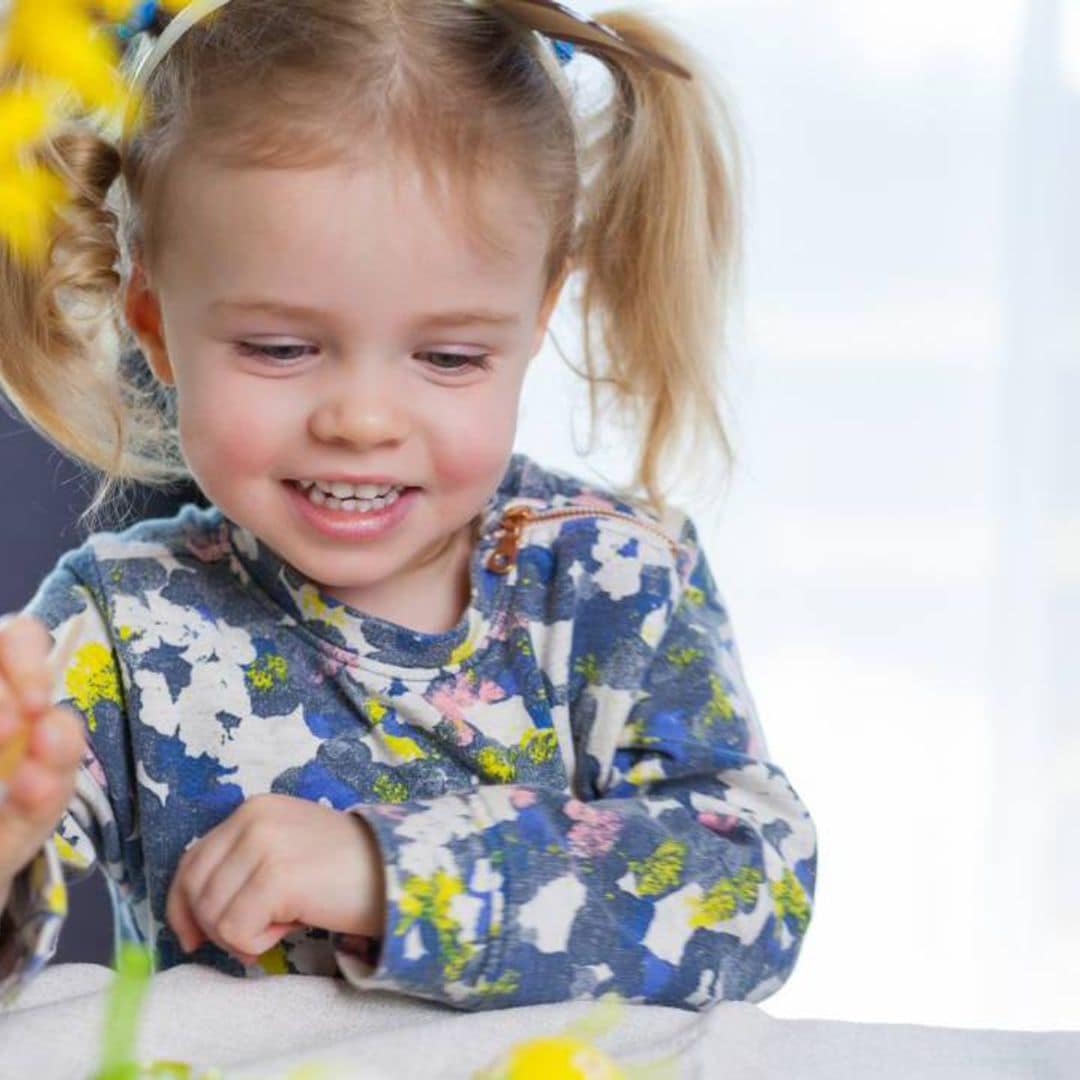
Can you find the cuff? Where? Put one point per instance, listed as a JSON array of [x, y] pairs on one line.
[[444, 904], [33, 920]]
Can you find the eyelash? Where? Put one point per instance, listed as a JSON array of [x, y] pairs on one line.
[[247, 348]]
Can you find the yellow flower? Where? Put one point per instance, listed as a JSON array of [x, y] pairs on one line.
[[495, 764], [266, 672], [722, 899], [790, 899], [719, 706], [429, 900], [92, 678], [539, 745], [56, 898], [375, 710], [694, 595], [462, 652], [68, 854], [389, 789], [659, 872], [402, 747], [314, 606]]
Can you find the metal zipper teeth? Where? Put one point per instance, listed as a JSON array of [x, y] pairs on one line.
[[517, 518]]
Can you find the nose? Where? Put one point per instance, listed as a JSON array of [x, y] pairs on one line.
[[362, 408]]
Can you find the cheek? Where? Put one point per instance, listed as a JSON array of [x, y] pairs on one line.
[[218, 430], [475, 440], [478, 462]]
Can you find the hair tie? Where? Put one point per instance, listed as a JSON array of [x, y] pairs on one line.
[[571, 29], [146, 18], [564, 51]]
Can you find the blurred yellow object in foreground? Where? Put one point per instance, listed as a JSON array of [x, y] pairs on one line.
[[558, 1056], [571, 1055], [57, 60]]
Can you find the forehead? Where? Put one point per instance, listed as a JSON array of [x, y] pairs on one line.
[[343, 227]]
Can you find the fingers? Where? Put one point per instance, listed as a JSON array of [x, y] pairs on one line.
[[25, 688], [253, 921], [57, 739], [40, 745], [234, 887], [38, 784], [202, 896], [25, 644], [191, 872], [237, 905], [38, 794], [183, 922]]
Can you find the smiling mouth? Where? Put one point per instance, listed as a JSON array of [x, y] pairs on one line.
[[362, 498]]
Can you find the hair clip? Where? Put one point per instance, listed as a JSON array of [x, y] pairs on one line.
[[556, 20], [146, 18], [564, 51]]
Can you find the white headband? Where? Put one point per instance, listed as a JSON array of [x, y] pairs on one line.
[[177, 26]]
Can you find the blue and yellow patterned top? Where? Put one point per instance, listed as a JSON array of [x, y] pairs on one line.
[[570, 789]]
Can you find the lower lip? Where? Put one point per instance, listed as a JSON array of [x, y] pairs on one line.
[[352, 524]]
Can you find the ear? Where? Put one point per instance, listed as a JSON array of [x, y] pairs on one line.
[[547, 308], [143, 314]]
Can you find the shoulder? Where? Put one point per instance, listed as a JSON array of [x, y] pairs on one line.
[[193, 535], [561, 505]]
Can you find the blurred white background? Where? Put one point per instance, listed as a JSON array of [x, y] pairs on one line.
[[900, 550]]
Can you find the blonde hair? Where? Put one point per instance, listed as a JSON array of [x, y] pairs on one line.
[[642, 199]]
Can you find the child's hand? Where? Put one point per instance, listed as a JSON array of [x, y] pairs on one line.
[[276, 864], [40, 746]]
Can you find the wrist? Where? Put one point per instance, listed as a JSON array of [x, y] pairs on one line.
[[371, 915]]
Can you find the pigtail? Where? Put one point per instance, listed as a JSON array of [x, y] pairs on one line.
[[61, 331], [659, 251]]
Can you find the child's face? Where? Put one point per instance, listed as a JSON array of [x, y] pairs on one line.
[[350, 390]]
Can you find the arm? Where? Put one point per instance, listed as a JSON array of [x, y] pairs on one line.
[[683, 876]]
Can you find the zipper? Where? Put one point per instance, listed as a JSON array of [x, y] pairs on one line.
[[516, 519]]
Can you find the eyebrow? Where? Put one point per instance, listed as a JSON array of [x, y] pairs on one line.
[[441, 318]]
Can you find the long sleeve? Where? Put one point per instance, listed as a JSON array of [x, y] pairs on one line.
[[87, 678], [681, 873]]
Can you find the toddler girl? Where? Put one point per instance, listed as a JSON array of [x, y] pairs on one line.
[[401, 704]]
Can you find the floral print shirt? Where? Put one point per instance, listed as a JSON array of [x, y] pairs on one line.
[[570, 789]]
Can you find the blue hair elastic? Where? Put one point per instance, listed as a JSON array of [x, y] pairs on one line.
[[142, 18], [564, 51]]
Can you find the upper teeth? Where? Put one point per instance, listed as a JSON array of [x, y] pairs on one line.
[[350, 491]]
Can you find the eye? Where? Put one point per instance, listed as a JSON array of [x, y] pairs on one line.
[[279, 354], [460, 361]]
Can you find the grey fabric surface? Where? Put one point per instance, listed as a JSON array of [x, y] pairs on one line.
[[261, 1028]]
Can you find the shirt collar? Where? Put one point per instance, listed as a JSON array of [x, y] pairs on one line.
[[360, 639]]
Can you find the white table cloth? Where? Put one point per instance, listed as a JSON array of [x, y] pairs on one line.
[[260, 1028]]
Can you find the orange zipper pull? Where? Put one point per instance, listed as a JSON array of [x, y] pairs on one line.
[[504, 555]]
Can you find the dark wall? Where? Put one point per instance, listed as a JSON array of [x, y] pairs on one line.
[[43, 495]]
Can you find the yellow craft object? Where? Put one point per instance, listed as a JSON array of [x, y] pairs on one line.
[[30, 196], [12, 752], [59, 40], [561, 1056], [56, 60], [25, 115]]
